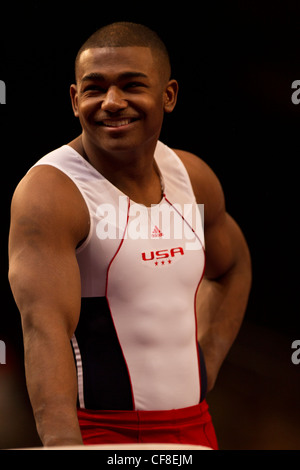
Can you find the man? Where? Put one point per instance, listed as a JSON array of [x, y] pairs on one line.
[[94, 263]]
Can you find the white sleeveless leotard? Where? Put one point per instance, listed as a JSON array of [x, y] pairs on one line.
[[135, 345]]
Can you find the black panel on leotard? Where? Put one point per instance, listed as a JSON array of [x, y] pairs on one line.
[[106, 384]]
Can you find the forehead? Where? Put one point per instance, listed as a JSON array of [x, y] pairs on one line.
[[116, 60]]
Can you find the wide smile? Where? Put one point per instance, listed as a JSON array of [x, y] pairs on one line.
[[119, 123]]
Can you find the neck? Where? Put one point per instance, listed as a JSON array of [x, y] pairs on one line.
[[135, 173]]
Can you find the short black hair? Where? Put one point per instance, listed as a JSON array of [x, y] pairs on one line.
[[126, 34]]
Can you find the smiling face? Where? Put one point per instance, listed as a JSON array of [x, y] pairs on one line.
[[120, 98]]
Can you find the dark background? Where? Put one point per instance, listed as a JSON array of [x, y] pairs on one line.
[[235, 66]]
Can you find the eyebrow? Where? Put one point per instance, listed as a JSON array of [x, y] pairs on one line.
[[123, 76]]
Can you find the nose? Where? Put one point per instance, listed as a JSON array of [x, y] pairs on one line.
[[113, 101]]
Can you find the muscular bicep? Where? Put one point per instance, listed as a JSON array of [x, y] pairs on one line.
[[225, 246], [43, 270], [45, 281]]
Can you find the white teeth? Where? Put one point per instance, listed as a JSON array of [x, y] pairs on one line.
[[123, 122]]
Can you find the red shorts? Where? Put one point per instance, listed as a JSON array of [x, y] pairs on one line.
[[191, 426]]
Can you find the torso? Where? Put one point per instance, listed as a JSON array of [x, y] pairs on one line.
[[135, 345]]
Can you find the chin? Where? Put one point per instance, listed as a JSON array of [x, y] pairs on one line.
[[120, 144]]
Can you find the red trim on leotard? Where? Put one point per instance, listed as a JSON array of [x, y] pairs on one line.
[[106, 286], [195, 295]]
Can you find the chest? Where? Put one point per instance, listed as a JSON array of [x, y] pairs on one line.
[[144, 244]]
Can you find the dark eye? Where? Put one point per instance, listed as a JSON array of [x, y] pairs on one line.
[[134, 85], [93, 88]]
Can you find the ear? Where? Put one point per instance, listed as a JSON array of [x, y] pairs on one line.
[[74, 99], [170, 97]]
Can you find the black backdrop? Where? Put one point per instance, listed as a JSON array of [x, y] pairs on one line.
[[235, 66]]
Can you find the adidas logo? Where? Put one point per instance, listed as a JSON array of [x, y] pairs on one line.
[[156, 233]]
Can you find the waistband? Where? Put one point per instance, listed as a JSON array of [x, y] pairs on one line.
[[132, 417]]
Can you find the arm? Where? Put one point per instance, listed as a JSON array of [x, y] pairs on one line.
[[45, 282], [223, 294]]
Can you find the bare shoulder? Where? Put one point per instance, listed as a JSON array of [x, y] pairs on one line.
[[46, 200], [205, 183]]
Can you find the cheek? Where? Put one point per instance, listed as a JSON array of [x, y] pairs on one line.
[[155, 108], [87, 109], [151, 108], [156, 116]]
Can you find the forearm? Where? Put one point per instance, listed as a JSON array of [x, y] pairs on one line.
[[52, 387], [221, 305]]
